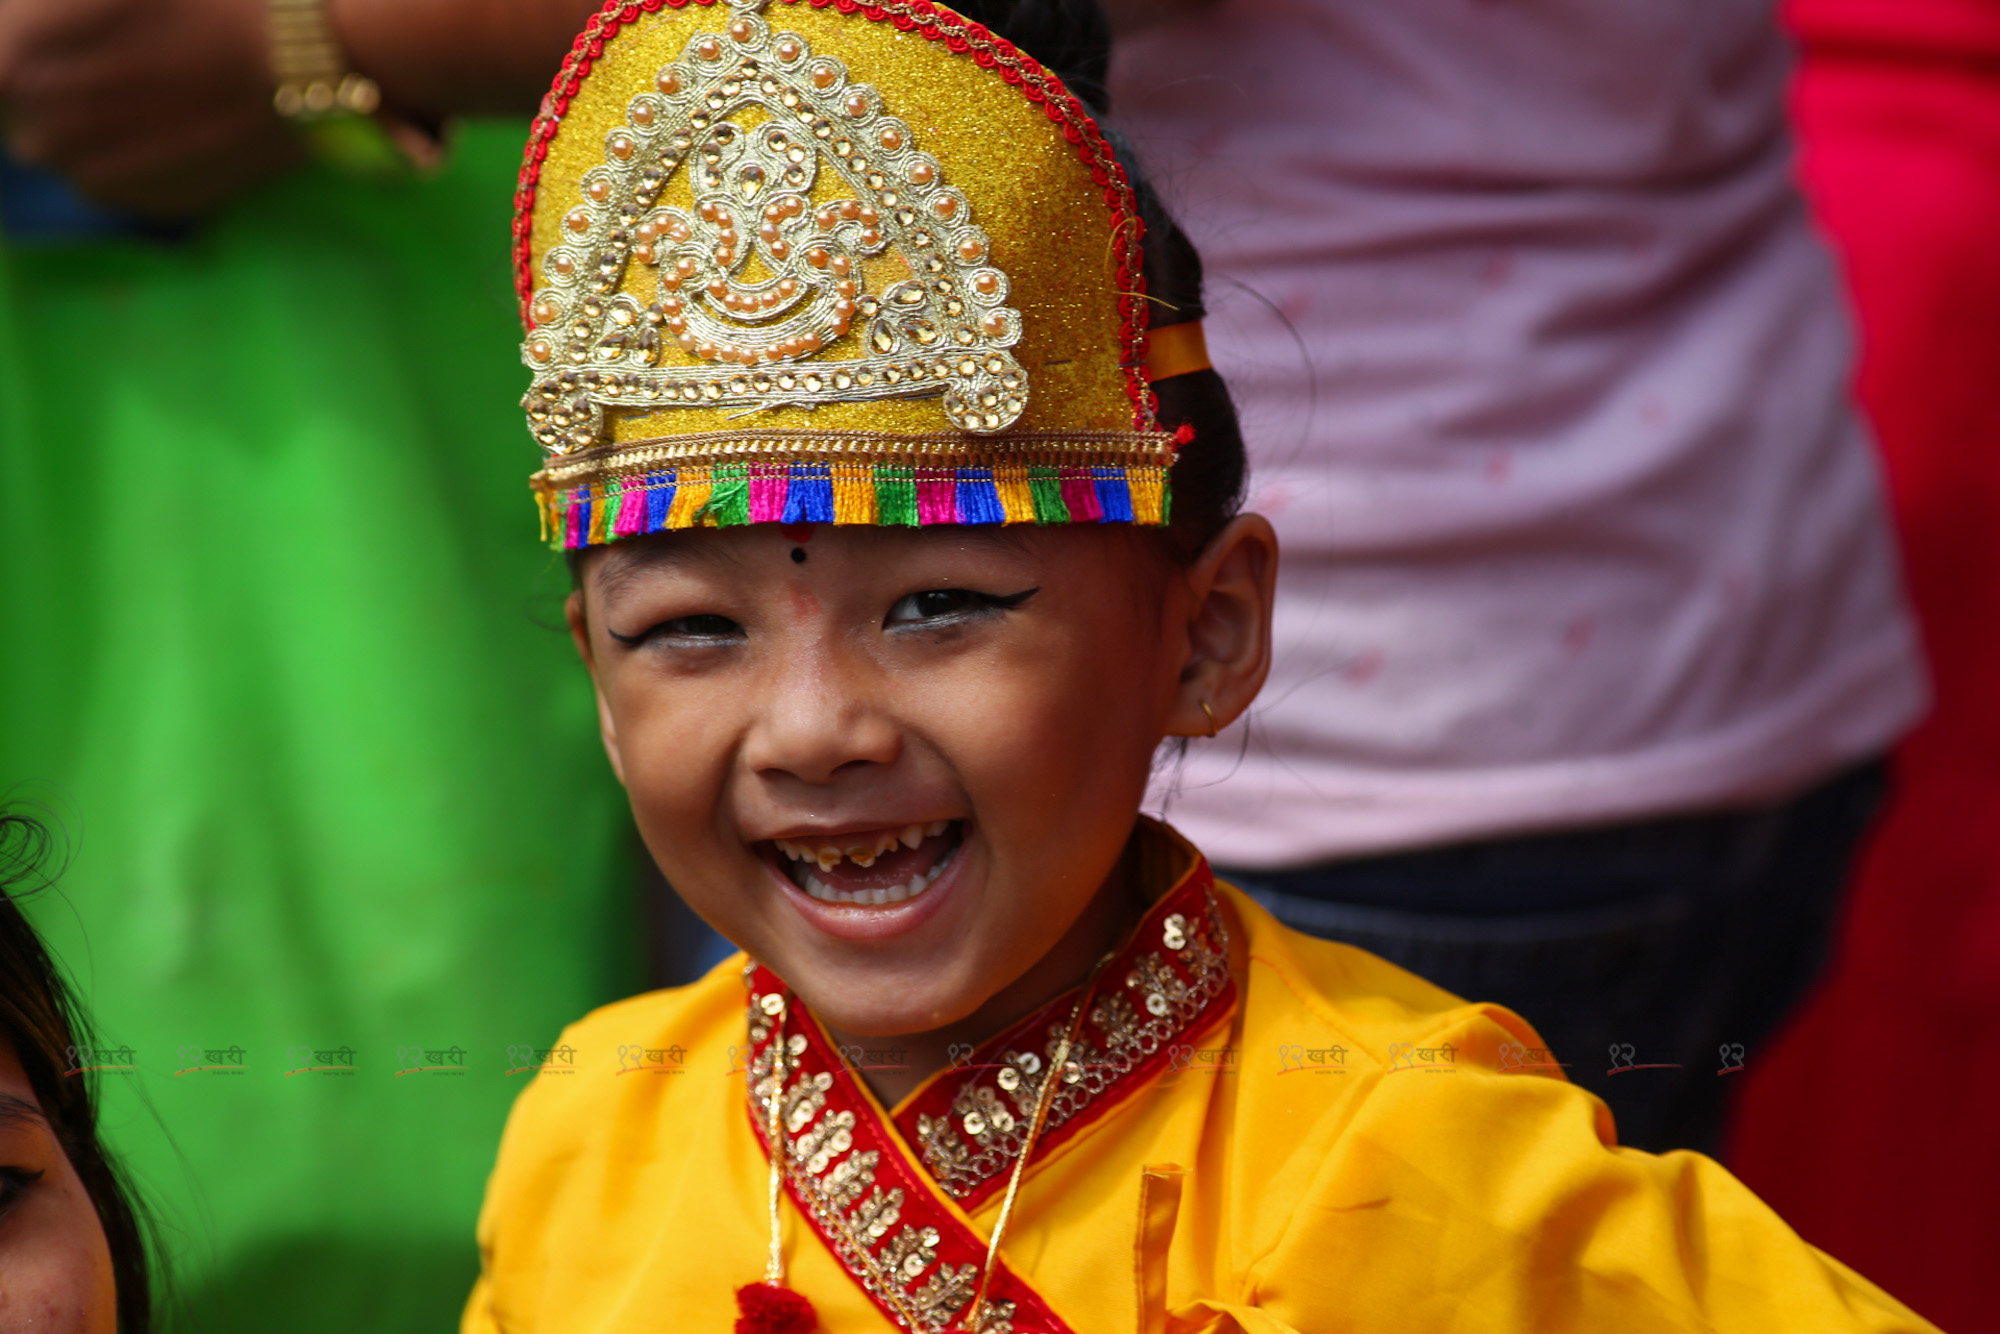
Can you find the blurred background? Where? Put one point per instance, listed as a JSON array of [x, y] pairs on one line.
[[282, 660]]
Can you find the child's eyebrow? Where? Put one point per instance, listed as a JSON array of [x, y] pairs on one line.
[[16, 1112], [620, 565]]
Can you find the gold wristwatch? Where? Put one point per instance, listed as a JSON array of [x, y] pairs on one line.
[[336, 110]]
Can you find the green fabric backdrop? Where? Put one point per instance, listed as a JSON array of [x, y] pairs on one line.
[[280, 651]]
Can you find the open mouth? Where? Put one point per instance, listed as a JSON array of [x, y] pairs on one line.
[[872, 867]]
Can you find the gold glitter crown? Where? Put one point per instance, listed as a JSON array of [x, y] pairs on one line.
[[817, 261]]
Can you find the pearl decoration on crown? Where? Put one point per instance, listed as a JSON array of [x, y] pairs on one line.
[[766, 269]]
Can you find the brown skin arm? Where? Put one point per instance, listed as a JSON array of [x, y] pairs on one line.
[[163, 107], [438, 58]]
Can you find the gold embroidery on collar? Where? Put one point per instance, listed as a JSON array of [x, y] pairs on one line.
[[1163, 992]]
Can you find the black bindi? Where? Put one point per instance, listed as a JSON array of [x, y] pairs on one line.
[[798, 555]]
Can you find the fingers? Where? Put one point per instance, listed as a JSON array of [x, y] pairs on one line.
[[208, 159], [155, 106]]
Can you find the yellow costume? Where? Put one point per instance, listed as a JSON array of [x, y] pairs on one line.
[[1295, 1136], [816, 261]]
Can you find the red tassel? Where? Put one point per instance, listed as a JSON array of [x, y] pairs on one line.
[[770, 1309], [1184, 436]]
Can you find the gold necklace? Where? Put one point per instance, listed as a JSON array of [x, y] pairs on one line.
[[976, 1315]]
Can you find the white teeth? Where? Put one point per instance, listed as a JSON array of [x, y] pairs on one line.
[[936, 827], [919, 882], [911, 836]]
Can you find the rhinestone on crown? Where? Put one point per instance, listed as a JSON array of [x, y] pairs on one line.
[[798, 175]]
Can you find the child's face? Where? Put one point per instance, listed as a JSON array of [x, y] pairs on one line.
[[895, 765], [56, 1263]]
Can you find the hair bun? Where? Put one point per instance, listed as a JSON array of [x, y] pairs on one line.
[[1071, 38]]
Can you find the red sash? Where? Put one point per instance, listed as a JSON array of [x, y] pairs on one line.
[[852, 1171]]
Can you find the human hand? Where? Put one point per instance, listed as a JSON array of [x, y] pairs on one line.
[[160, 108]]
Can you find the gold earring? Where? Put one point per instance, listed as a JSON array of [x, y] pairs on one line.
[[1211, 717]]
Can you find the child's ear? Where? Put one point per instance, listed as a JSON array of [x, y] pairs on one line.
[[578, 617], [1233, 582]]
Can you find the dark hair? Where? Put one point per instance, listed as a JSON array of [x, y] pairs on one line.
[[1072, 39], [47, 1030]]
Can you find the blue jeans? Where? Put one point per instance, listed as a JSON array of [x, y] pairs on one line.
[[1653, 957]]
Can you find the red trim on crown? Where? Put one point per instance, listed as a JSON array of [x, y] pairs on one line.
[[959, 35]]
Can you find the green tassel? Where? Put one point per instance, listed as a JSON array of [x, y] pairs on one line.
[[1045, 484], [895, 495], [729, 499]]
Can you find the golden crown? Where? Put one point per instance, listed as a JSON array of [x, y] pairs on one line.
[[818, 261]]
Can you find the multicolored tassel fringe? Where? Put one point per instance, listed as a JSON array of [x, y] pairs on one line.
[[725, 495]]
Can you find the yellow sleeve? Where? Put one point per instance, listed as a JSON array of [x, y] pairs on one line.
[[1483, 1202], [478, 1317]]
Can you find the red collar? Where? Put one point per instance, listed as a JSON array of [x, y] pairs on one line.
[[855, 1174]]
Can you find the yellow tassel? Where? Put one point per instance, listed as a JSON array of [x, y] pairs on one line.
[[854, 493], [689, 497], [542, 512], [1149, 494], [1011, 481], [601, 505]]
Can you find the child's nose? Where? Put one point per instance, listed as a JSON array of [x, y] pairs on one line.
[[816, 727]]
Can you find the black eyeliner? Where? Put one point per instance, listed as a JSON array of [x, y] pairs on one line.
[[1009, 601]]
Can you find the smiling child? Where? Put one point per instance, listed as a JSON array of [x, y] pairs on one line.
[[864, 370]]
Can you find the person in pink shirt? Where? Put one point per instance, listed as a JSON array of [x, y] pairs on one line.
[[1589, 628]]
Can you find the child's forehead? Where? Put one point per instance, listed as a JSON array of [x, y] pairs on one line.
[[858, 547]]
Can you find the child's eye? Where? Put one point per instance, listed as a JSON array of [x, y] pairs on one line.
[[15, 1182], [702, 629], [951, 604]]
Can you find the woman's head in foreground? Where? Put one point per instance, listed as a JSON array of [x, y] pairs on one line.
[[70, 1246], [899, 762]]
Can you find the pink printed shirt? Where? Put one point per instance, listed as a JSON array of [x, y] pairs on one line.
[[1545, 380]]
